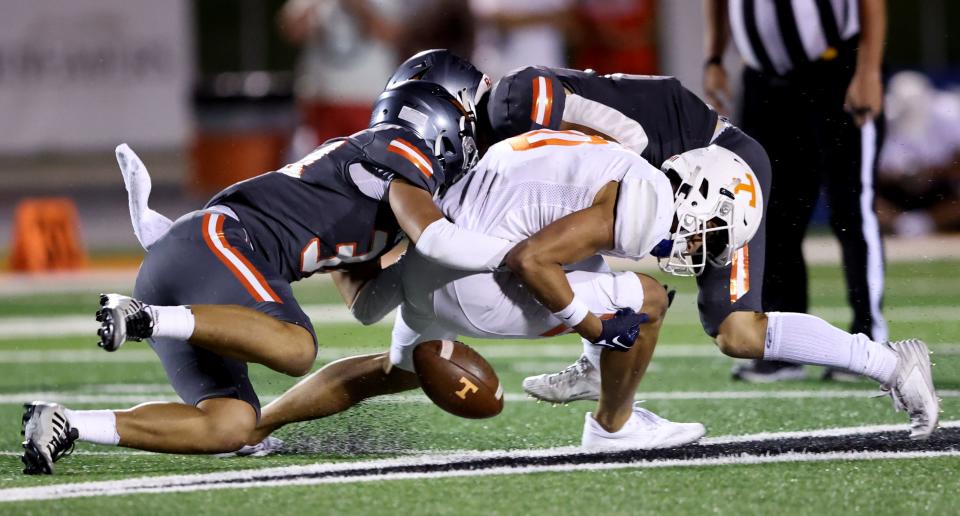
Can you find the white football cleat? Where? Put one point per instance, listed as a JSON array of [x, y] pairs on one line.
[[268, 446], [48, 436], [579, 381], [643, 431], [121, 319], [912, 387]]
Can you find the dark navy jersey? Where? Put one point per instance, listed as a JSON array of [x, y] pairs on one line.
[[672, 118], [330, 208]]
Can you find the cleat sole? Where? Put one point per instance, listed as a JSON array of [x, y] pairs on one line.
[[33, 462]]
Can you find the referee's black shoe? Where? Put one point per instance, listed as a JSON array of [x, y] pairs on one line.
[[767, 371]]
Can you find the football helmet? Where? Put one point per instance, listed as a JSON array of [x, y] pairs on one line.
[[719, 204], [457, 75], [436, 117]]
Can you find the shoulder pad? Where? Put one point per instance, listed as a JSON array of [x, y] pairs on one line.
[[399, 152], [524, 100]]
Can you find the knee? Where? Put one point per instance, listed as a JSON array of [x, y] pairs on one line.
[[301, 352], [655, 301], [742, 335], [227, 424]]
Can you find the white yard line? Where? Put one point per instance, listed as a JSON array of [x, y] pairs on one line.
[[363, 471], [141, 396], [139, 353], [325, 314]]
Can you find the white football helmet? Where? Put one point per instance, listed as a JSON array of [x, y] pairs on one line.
[[719, 202]]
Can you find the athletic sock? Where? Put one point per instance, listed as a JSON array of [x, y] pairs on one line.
[[95, 426], [805, 339], [592, 352], [175, 322]]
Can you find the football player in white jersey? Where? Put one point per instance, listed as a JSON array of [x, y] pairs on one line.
[[658, 118], [573, 197]]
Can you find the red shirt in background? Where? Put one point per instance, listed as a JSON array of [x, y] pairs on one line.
[[617, 36]]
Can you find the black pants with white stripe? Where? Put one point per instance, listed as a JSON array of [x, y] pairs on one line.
[[812, 143]]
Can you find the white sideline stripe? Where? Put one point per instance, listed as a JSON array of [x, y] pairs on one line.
[[279, 476], [323, 314], [141, 396], [535, 349], [119, 488], [871, 229], [827, 432]]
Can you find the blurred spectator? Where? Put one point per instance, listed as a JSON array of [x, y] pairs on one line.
[[348, 52], [919, 181], [437, 24], [513, 33], [350, 48], [616, 36]]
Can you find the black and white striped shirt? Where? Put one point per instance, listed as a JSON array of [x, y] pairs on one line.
[[776, 36]]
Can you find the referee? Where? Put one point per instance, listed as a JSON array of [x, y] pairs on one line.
[[813, 98]]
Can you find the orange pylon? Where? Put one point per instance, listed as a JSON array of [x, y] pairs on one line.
[[46, 236]]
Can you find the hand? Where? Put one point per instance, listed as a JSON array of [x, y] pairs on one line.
[[864, 98], [620, 331], [716, 88]]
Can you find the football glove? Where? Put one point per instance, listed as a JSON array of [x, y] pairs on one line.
[[620, 331]]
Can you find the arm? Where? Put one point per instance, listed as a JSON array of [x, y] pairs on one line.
[[715, 86], [437, 238], [580, 113], [865, 94], [539, 259]]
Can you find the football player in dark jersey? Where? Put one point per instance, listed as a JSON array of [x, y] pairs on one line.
[[658, 118], [213, 292], [663, 122]]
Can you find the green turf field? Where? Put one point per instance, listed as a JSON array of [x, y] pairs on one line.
[[688, 380]]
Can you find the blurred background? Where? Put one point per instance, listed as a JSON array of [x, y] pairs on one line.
[[209, 92]]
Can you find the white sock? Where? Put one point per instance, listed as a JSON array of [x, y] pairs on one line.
[[592, 352], [805, 339], [149, 225], [175, 322], [95, 426]]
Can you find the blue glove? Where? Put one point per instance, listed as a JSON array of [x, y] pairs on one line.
[[620, 331]]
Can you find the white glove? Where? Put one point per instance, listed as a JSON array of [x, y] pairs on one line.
[[148, 224]]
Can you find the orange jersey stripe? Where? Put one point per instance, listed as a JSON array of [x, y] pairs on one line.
[[740, 274], [411, 154], [542, 101], [556, 330], [217, 242]]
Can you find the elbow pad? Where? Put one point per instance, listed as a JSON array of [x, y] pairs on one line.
[[452, 246], [379, 296]]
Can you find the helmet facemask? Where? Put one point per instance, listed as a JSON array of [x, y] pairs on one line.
[[709, 240], [704, 221], [443, 147]]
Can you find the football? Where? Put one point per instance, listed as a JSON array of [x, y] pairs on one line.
[[457, 379]]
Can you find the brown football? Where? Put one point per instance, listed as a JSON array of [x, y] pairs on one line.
[[457, 379]]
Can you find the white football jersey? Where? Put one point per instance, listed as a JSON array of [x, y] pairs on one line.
[[524, 183]]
